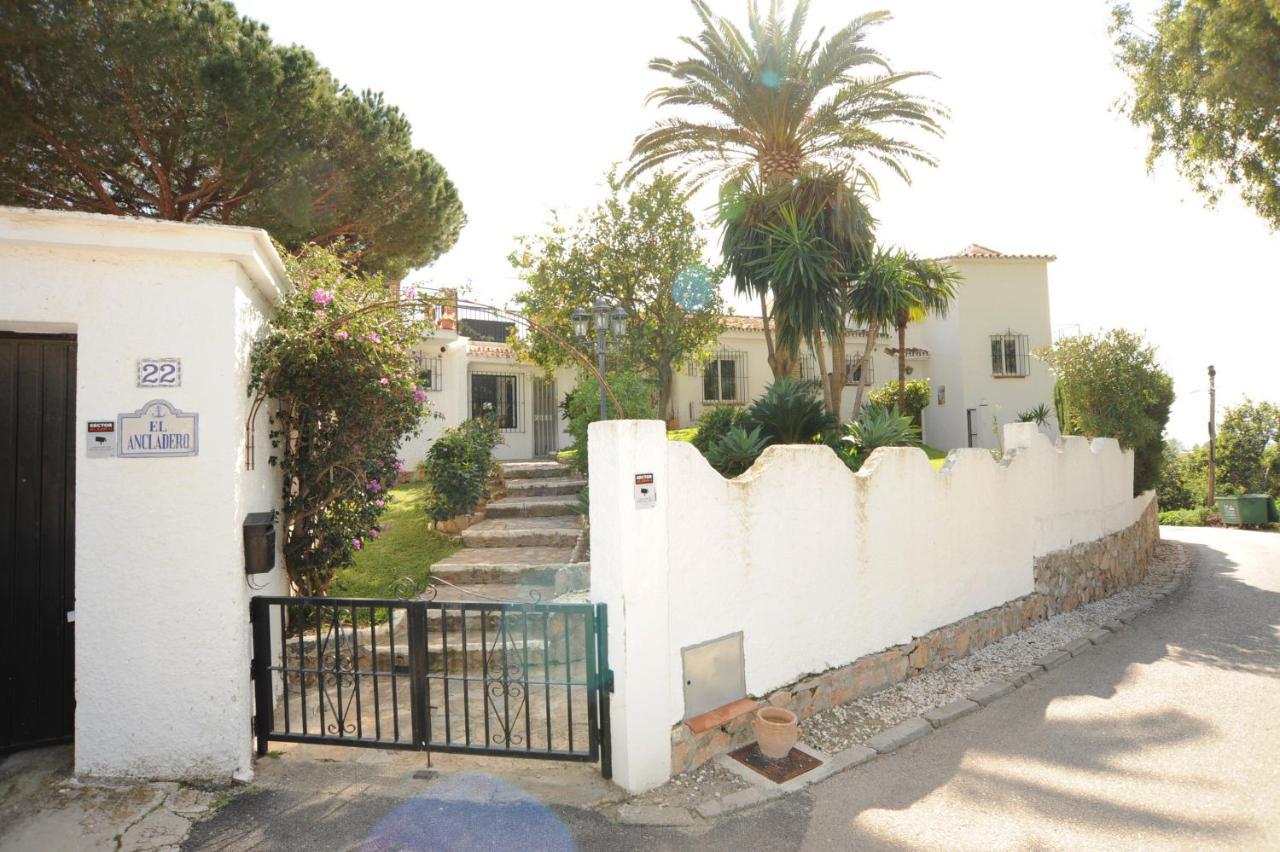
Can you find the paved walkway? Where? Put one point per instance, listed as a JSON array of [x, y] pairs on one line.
[[1166, 737]]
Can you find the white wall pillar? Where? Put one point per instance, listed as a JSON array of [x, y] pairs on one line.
[[629, 573]]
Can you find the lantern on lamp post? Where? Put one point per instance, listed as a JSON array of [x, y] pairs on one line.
[[610, 326]]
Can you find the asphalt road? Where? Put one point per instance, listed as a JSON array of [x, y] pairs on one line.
[[1168, 737]]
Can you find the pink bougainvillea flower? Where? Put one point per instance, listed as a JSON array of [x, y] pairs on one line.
[[384, 381], [322, 297], [374, 338], [399, 466], [342, 335], [419, 396], [374, 485], [374, 533], [357, 543], [411, 293], [379, 503]]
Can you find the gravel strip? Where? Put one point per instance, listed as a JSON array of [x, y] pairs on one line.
[[708, 781], [856, 722]]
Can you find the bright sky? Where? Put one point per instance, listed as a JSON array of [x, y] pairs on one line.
[[528, 103]]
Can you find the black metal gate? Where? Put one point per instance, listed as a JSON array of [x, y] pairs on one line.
[[493, 678], [37, 538]]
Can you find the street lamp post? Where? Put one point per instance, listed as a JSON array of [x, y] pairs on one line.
[[609, 322]]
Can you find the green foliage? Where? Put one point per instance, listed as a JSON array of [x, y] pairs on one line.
[[1197, 517], [790, 412], [1184, 477], [917, 395], [1204, 75], [338, 363], [1112, 386], [715, 423], [878, 426], [582, 407], [684, 436], [408, 547], [737, 450], [1038, 415], [182, 110], [629, 249], [766, 99], [458, 467], [1248, 442]]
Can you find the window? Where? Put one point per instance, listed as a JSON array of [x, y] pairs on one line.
[[809, 369], [855, 373], [430, 371], [724, 378], [495, 395], [1009, 355]]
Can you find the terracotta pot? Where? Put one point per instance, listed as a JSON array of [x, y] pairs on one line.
[[777, 730]]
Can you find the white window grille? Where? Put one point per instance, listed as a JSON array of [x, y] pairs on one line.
[[855, 373], [1009, 355], [497, 396], [724, 377]]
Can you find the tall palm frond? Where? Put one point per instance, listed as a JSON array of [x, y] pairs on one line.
[[777, 101]]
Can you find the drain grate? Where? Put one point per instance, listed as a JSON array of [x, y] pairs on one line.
[[794, 764]]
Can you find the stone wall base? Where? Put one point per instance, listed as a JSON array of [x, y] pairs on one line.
[[1064, 580]]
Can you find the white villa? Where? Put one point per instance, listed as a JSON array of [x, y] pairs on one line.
[[977, 360]]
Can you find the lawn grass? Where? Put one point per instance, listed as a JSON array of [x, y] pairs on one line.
[[685, 435], [408, 547], [936, 456]]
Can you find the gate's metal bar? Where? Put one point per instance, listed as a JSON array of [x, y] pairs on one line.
[[593, 683], [264, 721], [419, 694], [606, 687]]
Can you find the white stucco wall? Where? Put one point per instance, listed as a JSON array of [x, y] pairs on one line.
[[816, 565], [162, 634]]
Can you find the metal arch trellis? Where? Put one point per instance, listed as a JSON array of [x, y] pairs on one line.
[[440, 297]]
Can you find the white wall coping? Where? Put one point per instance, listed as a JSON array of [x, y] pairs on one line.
[[249, 247]]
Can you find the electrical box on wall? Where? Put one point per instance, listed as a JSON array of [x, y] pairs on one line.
[[259, 542]]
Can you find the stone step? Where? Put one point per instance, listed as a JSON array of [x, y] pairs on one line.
[[533, 469], [556, 531], [544, 487], [503, 567], [532, 507]]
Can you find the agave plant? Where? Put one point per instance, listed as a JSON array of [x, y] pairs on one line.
[[877, 426], [737, 450], [1038, 415], [790, 412]]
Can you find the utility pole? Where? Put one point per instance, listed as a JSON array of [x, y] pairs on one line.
[[1213, 438]]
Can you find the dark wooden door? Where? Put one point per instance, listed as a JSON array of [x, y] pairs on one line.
[[37, 538]]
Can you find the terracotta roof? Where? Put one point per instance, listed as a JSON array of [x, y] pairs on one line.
[[735, 322], [973, 250], [912, 351], [482, 349]]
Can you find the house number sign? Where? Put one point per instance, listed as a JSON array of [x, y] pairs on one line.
[[159, 372], [158, 429]]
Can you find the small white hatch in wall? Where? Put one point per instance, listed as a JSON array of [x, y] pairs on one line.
[[715, 674]]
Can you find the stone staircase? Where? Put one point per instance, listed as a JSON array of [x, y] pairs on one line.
[[525, 545]]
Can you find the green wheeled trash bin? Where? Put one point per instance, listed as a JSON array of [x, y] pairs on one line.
[[1251, 510]]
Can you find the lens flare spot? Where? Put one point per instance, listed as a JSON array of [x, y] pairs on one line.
[[770, 78]]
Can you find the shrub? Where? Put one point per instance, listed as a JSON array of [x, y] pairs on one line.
[[338, 364], [582, 407], [1184, 477], [1197, 517], [877, 426], [917, 398], [1038, 415], [737, 450], [1247, 442], [458, 467], [715, 423], [790, 412], [1111, 385]]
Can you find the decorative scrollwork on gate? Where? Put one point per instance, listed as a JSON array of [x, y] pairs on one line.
[[337, 674], [505, 676]]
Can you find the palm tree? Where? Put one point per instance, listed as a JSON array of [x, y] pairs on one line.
[[780, 103], [878, 298], [805, 241], [934, 286]]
